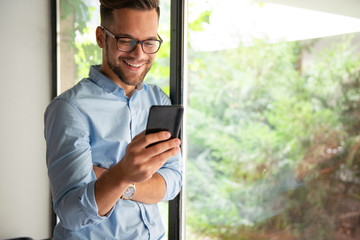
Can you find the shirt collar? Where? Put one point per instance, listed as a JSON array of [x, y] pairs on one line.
[[106, 83]]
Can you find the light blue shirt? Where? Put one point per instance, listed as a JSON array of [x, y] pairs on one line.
[[92, 124]]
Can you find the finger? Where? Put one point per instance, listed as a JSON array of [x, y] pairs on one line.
[[156, 137], [161, 159], [162, 147]]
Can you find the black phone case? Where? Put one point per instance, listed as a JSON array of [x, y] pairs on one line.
[[165, 118]]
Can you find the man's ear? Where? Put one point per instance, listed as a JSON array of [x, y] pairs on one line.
[[100, 37]]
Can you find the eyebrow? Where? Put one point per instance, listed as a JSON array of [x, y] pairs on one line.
[[129, 36]]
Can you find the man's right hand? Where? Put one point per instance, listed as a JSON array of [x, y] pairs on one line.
[[138, 165]]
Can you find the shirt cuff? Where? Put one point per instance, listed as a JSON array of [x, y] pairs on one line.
[[173, 181], [89, 205]]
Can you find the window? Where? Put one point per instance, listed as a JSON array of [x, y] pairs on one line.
[[272, 124]]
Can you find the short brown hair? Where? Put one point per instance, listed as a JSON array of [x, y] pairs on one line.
[[107, 7]]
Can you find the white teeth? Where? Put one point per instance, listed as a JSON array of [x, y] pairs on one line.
[[133, 65]]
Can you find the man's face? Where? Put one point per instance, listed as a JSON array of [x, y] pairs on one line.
[[130, 68]]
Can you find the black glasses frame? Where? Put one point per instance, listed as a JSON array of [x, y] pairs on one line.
[[117, 38]]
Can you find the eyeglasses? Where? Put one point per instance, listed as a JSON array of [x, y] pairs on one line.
[[126, 44]]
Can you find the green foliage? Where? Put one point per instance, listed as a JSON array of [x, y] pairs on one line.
[[160, 71], [260, 115], [79, 10], [87, 53], [254, 113], [197, 24]]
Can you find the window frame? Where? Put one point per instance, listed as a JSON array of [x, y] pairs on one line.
[[178, 40], [54, 14]]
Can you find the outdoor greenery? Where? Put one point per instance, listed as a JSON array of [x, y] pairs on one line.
[[254, 113], [261, 114], [257, 117]]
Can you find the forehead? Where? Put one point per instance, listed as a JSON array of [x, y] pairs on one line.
[[134, 22]]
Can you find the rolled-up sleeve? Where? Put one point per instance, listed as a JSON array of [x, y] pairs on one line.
[[70, 167], [172, 174]]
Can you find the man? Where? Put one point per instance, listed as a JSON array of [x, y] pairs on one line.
[[105, 183]]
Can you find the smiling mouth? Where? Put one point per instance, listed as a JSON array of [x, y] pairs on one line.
[[133, 64]]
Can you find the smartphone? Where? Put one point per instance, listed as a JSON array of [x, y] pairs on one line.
[[165, 118]]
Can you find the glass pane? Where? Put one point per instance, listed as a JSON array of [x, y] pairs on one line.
[[273, 122], [78, 50]]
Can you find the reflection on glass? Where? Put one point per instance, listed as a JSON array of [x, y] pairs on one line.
[[273, 123]]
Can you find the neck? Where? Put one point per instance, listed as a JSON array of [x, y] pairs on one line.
[[104, 69]]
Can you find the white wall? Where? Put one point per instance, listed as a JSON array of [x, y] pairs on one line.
[[25, 90]]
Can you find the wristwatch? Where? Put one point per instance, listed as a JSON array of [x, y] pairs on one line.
[[129, 192]]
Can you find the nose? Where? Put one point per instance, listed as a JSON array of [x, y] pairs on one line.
[[137, 52]]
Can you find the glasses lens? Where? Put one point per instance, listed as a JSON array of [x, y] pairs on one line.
[[129, 44], [126, 44], [151, 46]]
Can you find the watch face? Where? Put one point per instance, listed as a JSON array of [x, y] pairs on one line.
[[129, 192]]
